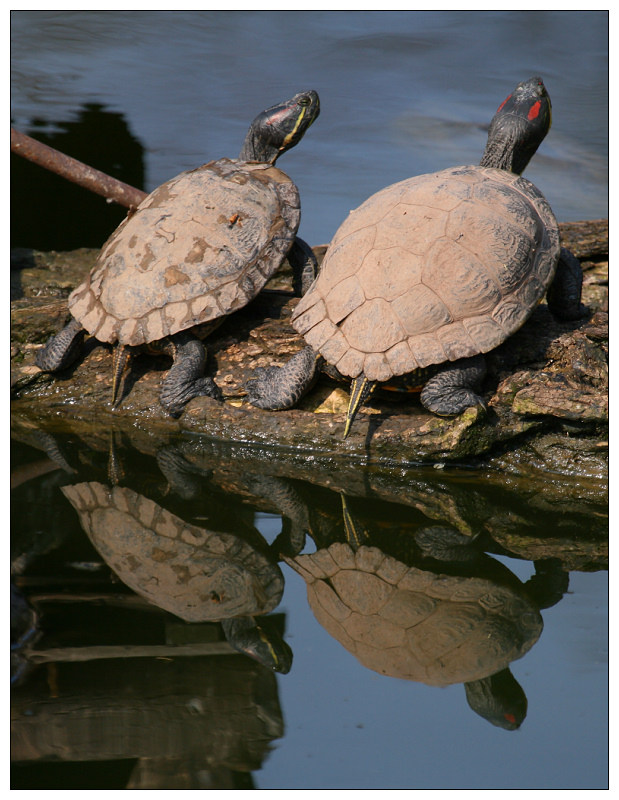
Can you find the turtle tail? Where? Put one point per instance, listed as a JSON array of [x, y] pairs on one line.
[[360, 389], [356, 534], [121, 358]]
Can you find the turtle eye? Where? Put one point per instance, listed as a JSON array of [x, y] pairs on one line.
[[304, 101]]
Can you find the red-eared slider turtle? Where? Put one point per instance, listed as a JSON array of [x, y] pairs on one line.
[[197, 574], [424, 619], [432, 272], [412, 623], [196, 249]]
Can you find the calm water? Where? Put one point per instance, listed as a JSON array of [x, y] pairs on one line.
[[401, 93], [338, 724]]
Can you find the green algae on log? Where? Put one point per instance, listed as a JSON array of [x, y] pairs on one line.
[[547, 386]]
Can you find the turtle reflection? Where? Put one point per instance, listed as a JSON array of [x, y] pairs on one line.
[[428, 606], [197, 574]]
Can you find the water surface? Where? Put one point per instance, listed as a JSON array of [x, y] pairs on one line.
[[402, 93]]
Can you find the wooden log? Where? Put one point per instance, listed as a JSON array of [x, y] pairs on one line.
[[550, 377], [221, 711]]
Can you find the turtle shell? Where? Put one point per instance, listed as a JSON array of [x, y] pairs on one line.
[[197, 248], [414, 624], [196, 574], [432, 269]]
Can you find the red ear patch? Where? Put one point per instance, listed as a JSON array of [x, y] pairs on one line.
[[534, 110], [503, 103], [509, 717]]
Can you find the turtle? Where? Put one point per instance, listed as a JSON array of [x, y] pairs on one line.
[[431, 273], [199, 247], [438, 618], [198, 575]]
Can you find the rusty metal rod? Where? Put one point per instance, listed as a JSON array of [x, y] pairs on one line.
[[75, 171]]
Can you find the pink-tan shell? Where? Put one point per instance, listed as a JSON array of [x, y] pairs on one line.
[[199, 247], [197, 574], [414, 624], [432, 269]]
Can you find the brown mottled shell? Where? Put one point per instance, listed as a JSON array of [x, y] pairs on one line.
[[197, 574], [199, 247], [432, 269], [414, 624]]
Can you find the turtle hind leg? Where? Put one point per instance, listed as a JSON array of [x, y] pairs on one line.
[[278, 388], [452, 390], [563, 296], [61, 350], [185, 378]]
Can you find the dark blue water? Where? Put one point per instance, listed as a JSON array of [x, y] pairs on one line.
[[402, 93]]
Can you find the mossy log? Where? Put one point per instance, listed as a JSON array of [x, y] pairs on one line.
[[547, 386]]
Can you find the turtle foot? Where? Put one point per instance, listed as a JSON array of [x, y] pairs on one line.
[[174, 397], [61, 350], [454, 402], [278, 388], [451, 391]]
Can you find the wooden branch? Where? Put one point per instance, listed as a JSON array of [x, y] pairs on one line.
[[75, 171]]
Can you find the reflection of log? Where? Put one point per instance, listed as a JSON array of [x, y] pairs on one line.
[[185, 773], [27, 472], [56, 654], [549, 378], [222, 711]]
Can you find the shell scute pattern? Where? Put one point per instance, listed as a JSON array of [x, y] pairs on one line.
[[192, 572], [382, 275], [198, 248], [461, 282], [444, 195], [435, 268], [347, 256], [413, 624], [344, 298], [414, 227], [372, 321], [427, 307]]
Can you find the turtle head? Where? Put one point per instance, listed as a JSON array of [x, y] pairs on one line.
[[259, 639], [280, 127], [499, 699], [519, 127]]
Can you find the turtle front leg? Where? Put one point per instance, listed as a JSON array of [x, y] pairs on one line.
[[304, 266], [185, 378], [278, 388], [564, 293], [61, 350], [451, 390]]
